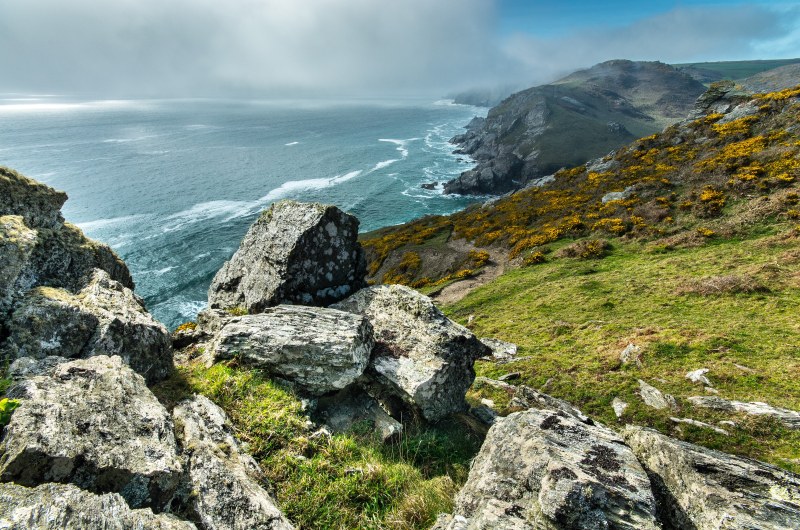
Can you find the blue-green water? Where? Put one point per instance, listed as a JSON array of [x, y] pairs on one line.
[[173, 186]]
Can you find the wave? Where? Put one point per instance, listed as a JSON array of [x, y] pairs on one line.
[[207, 210], [402, 145], [308, 184], [56, 107], [99, 224], [127, 140], [381, 165], [291, 143]]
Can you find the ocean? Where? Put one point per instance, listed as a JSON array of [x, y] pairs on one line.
[[172, 186]]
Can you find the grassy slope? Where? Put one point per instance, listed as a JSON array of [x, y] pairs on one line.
[[740, 69], [574, 317]]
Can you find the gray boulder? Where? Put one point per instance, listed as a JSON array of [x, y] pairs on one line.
[[67, 507], [17, 242], [545, 470], [420, 356], [297, 253], [40, 205], [527, 397], [789, 418], [320, 350], [501, 350], [703, 489], [223, 479], [653, 397], [104, 318], [94, 423], [353, 408]]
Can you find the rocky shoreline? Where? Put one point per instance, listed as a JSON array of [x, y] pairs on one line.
[[90, 445]]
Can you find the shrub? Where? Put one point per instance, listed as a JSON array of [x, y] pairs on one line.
[[534, 258], [186, 326], [7, 407], [586, 249]]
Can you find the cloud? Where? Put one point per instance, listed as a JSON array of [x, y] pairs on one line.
[[205, 47], [680, 35]]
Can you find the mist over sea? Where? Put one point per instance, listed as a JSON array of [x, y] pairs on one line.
[[173, 186]]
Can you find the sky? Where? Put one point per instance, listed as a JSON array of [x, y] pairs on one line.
[[280, 48]]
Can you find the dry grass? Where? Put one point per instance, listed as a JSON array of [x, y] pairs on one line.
[[719, 285]]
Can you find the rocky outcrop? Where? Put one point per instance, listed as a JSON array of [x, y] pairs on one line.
[[541, 469], [789, 418], [702, 489], [320, 350], [93, 423], [420, 356], [225, 493], [17, 243], [38, 204], [535, 132], [64, 506], [297, 253], [104, 318]]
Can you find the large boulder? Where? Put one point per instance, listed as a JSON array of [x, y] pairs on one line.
[[104, 318], [703, 489], [225, 493], [94, 423], [547, 470], [420, 355], [17, 242], [353, 408], [320, 350], [64, 506], [297, 253], [39, 204]]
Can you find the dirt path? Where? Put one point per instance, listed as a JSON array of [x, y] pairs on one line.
[[458, 290]]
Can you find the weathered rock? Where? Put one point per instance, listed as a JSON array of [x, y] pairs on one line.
[[354, 408], [541, 469], [617, 195], [703, 489], [38, 204], [104, 318], [17, 242], [501, 350], [528, 397], [630, 354], [699, 376], [294, 253], [696, 423], [790, 418], [420, 355], [226, 494], [319, 349], [26, 367], [653, 397], [64, 506], [93, 423], [619, 407]]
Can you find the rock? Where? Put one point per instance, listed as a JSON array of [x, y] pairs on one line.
[[480, 381], [104, 318], [484, 414], [319, 349], [420, 356], [17, 242], [541, 469], [353, 408], [296, 253], [511, 376], [653, 397], [226, 494], [527, 397], [429, 185], [619, 407], [699, 376], [696, 423], [617, 195], [789, 418], [501, 350], [38, 204], [94, 423], [740, 111], [631, 353], [26, 367], [64, 506], [705, 489]]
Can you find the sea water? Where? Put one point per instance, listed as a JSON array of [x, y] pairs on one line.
[[172, 186]]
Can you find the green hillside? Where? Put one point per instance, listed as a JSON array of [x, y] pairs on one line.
[[737, 69]]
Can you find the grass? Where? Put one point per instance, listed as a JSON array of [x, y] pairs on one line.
[[344, 481], [575, 317], [740, 69]]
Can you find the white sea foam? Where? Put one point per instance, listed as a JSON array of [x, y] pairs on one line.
[[381, 165], [131, 139], [402, 145], [99, 224], [207, 210], [292, 143], [308, 184]]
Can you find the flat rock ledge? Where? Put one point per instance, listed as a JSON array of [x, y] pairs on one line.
[[420, 356], [297, 253], [223, 479], [703, 489], [545, 469], [64, 506], [93, 423], [789, 418], [320, 350]]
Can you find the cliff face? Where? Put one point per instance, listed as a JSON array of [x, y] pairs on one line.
[[535, 132]]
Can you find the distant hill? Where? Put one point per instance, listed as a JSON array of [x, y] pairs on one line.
[[735, 70], [773, 80], [537, 131]]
